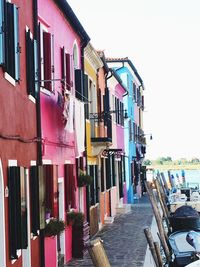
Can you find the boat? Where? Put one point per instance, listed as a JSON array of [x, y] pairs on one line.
[[184, 253], [194, 264], [185, 217]]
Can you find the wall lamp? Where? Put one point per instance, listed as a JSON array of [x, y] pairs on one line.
[[143, 135]]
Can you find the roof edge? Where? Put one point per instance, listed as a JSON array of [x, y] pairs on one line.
[[73, 20], [131, 65]]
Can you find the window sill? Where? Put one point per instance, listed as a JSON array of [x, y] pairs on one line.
[[19, 253], [9, 78], [32, 99], [45, 91]]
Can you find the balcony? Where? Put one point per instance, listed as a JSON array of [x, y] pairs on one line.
[[101, 129]]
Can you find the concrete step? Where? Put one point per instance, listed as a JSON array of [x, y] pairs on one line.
[[109, 220], [125, 208]]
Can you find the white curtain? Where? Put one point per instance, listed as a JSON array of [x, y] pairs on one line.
[[69, 114], [79, 127]]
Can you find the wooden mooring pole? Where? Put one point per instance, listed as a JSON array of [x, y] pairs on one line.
[[149, 238], [158, 218], [158, 254], [97, 253], [162, 204]]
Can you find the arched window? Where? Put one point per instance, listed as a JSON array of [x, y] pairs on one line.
[[75, 56]]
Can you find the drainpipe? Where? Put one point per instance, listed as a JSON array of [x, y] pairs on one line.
[[38, 118], [38, 109]]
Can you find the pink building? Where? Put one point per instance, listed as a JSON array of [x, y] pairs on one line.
[[117, 91], [61, 42]]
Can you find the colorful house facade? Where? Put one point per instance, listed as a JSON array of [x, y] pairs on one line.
[[18, 134], [65, 110], [62, 40], [133, 127], [116, 152]]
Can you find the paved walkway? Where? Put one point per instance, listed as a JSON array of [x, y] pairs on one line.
[[124, 240]]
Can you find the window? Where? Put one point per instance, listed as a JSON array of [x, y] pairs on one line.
[[102, 175], [121, 184], [130, 131], [113, 170], [134, 92], [51, 188], [70, 189], [34, 196], [66, 69], [142, 103], [87, 115], [9, 40], [79, 83], [31, 65], [17, 210], [75, 56], [108, 173], [47, 58], [122, 114], [94, 193], [2, 35]]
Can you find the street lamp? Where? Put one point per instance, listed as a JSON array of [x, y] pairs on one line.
[[143, 135]]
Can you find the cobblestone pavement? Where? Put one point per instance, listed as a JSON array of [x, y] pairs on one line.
[[124, 240]]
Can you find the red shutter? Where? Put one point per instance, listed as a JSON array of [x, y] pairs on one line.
[[51, 176], [99, 100], [63, 67], [47, 59], [68, 71], [55, 191], [70, 189]]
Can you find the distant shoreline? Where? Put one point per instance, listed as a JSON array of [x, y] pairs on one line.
[[175, 167]]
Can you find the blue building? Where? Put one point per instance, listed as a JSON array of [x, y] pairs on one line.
[[135, 142]]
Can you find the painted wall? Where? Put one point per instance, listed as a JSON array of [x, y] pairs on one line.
[[92, 75], [17, 118], [59, 144], [133, 115], [50, 251]]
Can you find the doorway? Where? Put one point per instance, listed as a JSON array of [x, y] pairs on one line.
[[61, 237]]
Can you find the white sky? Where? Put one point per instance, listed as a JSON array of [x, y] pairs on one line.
[[162, 39]]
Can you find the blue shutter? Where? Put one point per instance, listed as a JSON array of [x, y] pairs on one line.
[[16, 42], [2, 49], [36, 68]]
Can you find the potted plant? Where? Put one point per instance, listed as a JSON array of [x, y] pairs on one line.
[[54, 227], [75, 218], [84, 179]]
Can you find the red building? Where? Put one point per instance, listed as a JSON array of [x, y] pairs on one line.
[[18, 133], [41, 96]]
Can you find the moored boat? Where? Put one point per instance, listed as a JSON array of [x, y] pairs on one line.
[[185, 217], [184, 253]]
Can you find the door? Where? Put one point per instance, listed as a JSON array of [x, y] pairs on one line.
[[61, 199], [26, 253]]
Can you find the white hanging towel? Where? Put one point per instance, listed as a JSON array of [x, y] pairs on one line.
[[79, 127], [70, 120]]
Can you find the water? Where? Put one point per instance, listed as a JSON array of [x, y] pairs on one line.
[[191, 176]]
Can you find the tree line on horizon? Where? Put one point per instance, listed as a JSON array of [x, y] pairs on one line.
[[168, 161]]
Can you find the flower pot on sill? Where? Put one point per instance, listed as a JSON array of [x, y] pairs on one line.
[[54, 227]]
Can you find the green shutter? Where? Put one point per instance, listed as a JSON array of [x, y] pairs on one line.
[[36, 68], [16, 42], [2, 50]]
